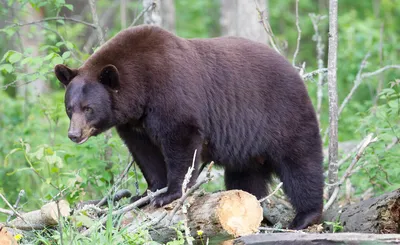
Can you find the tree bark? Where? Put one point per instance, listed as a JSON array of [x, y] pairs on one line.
[[333, 97], [228, 213], [152, 16], [240, 18], [375, 215], [167, 9]]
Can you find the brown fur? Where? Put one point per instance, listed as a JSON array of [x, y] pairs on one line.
[[236, 101]]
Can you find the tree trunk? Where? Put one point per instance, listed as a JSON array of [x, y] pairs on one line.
[[333, 96], [240, 18], [152, 16], [167, 9], [317, 239]]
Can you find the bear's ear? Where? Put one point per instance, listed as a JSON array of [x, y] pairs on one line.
[[65, 74], [109, 76]]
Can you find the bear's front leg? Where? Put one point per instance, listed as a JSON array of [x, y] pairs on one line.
[[178, 147]]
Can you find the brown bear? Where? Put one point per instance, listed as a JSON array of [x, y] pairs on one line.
[[238, 102]]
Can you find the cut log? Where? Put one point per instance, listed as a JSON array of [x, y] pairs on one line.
[[375, 215], [6, 238], [228, 213], [320, 239], [39, 219]]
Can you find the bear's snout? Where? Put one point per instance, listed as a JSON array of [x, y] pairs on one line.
[[75, 135]]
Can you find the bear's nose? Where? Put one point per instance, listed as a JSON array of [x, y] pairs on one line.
[[74, 136]]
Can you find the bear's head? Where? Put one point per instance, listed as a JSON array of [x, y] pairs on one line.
[[88, 100]]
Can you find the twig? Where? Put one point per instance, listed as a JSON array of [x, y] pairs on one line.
[[6, 211], [368, 140], [100, 35], [55, 19], [298, 34], [116, 184], [148, 8], [105, 17], [321, 72], [280, 230], [357, 83], [369, 74], [273, 193], [332, 92], [127, 208], [266, 27], [12, 208], [196, 186], [20, 194]]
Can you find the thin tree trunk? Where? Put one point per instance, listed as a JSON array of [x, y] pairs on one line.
[[333, 97], [167, 9], [152, 16], [240, 18]]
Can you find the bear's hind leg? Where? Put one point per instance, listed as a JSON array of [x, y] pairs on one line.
[[303, 184], [252, 181]]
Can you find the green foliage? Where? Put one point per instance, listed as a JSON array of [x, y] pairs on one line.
[[336, 226]]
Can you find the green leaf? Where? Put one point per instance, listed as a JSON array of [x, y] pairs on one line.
[[7, 67], [15, 57], [5, 56], [66, 55], [57, 60], [26, 60], [69, 6], [9, 154], [62, 22], [49, 56]]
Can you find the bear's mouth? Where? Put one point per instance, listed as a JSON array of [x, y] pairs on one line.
[[91, 131]]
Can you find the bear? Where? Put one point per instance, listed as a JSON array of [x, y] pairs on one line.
[[237, 102]]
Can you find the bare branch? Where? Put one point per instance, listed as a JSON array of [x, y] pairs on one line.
[[267, 27], [96, 23], [55, 19], [11, 207], [366, 142], [369, 74], [321, 72], [148, 8], [6, 211], [357, 83], [116, 184], [273, 193], [332, 92], [298, 34]]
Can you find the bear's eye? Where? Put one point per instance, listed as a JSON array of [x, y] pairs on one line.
[[69, 109], [88, 110]]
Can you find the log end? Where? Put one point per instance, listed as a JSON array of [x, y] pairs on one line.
[[6, 238], [239, 213]]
